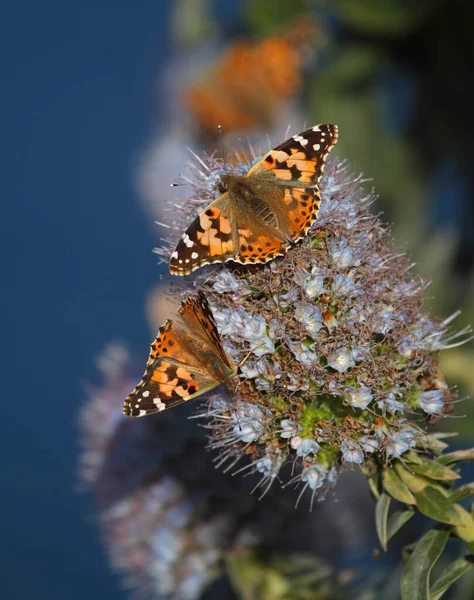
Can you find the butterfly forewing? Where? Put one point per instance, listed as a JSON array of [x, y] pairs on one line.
[[300, 159], [278, 208], [186, 360], [210, 238]]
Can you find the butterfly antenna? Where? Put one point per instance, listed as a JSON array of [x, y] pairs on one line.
[[221, 133]]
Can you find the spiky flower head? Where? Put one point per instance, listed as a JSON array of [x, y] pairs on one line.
[[338, 361], [170, 520]]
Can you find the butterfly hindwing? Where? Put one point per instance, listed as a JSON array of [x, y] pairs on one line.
[[297, 164], [198, 314], [263, 212], [186, 360]]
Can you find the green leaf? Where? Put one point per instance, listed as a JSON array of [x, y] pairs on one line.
[[434, 470], [461, 492], [397, 521], [434, 443], [450, 575], [407, 551], [412, 457], [374, 487], [381, 518], [414, 481], [453, 457], [395, 486], [436, 506], [465, 530], [415, 579]]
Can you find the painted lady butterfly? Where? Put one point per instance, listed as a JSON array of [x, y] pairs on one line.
[[260, 214], [186, 360]]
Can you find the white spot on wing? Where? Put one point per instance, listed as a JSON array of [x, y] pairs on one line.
[[300, 139], [146, 393], [316, 146], [194, 255], [159, 404], [189, 243]]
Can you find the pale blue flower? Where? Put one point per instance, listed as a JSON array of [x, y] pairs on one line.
[[254, 330], [289, 428], [401, 442], [383, 321], [352, 452], [341, 254], [295, 384], [225, 281], [390, 403], [360, 398], [305, 446], [223, 320], [314, 476], [302, 353], [369, 443], [286, 300], [406, 347], [167, 546], [343, 285], [180, 514], [332, 475], [359, 354], [313, 286], [310, 317], [269, 466], [432, 401], [248, 370], [249, 422], [341, 360]]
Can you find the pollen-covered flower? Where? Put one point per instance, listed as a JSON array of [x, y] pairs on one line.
[[333, 346]]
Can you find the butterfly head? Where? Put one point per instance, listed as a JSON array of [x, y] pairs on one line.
[[235, 184]]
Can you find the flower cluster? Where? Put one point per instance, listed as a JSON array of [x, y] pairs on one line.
[[169, 519], [338, 363]]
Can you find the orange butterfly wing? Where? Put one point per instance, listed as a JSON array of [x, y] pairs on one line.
[[182, 362]]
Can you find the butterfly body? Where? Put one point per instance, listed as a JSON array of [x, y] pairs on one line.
[[260, 214], [186, 360]]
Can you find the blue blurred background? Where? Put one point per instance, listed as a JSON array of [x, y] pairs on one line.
[[78, 99], [89, 104]]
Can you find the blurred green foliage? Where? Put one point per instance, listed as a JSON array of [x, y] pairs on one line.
[[387, 17]]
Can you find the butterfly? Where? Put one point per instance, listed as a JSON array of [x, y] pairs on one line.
[[260, 214], [186, 360]]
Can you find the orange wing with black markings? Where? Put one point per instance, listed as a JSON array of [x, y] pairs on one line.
[[186, 359], [198, 315], [263, 212]]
